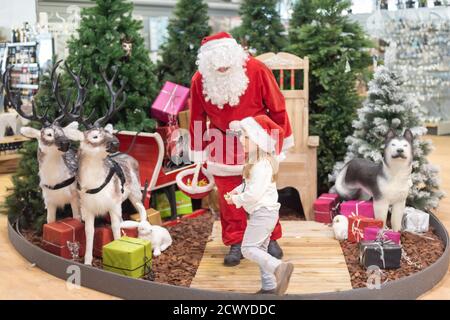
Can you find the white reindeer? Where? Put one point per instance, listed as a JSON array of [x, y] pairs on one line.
[[58, 163], [105, 178]]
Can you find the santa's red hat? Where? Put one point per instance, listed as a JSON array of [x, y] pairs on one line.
[[263, 131], [218, 39]]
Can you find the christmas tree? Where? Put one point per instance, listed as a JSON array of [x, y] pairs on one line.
[[186, 29], [261, 29], [26, 202], [387, 107], [108, 36], [304, 12], [336, 50]]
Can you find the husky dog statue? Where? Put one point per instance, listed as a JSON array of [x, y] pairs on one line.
[[387, 182]]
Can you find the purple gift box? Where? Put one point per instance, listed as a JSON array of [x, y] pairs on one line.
[[357, 208], [170, 101], [373, 233]]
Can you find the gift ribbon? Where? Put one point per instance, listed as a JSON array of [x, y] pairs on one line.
[[356, 230], [171, 96], [353, 214]]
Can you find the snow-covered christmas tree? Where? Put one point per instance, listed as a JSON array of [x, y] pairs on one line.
[[387, 107]]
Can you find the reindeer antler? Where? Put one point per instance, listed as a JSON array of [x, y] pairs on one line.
[[112, 109], [76, 112], [17, 102]]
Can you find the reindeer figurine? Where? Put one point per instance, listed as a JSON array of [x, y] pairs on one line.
[[58, 163], [106, 178]]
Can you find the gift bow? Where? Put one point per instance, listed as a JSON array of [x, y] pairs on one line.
[[74, 248], [381, 235], [171, 96], [356, 230]]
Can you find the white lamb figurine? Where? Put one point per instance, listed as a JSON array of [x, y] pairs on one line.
[[340, 227], [157, 235]]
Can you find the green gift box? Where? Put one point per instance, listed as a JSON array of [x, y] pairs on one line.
[[128, 256], [184, 204]]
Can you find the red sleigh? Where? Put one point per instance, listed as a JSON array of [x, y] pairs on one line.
[[148, 150]]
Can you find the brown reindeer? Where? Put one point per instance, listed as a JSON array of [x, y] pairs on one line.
[[106, 178]]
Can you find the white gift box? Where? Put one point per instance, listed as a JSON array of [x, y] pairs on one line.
[[415, 220]]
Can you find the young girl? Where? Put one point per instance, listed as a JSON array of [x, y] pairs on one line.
[[262, 141]]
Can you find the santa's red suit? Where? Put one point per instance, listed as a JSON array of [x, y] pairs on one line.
[[260, 95]]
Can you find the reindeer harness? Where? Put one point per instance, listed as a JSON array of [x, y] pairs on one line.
[[61, 185], [115, 169]]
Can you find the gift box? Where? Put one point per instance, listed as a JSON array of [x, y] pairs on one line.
[[153, 216], [357, 208], [325, 207], [184, 204], [383, 254], [65, 238], [184, 118], [416, 221], [128, 256], [373, 233], [104, 235], [170, 101], [356, 225]]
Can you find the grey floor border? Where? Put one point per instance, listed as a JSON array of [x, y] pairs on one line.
[[409, 287]]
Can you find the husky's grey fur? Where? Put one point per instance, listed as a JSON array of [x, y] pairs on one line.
[[387, 182]]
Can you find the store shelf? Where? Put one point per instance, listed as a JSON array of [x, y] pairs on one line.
[[28, 65], [22, 44], [26, 86]]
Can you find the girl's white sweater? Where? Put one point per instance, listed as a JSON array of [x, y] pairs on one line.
[[259, 190]]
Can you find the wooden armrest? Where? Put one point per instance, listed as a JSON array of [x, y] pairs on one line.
[[313, 141]]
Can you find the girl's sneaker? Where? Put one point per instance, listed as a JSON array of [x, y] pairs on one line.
[[283, 274]]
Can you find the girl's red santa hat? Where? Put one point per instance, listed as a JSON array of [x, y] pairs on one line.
[[216, 40], [263, 131]]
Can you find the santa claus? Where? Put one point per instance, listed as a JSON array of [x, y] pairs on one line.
[[231, 85]]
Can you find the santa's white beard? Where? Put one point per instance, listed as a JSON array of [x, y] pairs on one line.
[[223, 87]]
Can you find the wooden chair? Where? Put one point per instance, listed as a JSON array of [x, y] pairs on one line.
[[299, 170]]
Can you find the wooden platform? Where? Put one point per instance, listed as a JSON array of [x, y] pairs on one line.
[[319, 263]]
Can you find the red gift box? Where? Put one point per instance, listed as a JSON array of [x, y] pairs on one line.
[[325, 207], [65, 238], [356, 225], [104, 235], [170, 101]]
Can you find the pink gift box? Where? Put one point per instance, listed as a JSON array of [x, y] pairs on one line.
[[374, 233], [170, 101], [357, 208], [325, 207]]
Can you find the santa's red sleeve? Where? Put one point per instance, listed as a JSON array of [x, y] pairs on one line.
[[197, 126], [275, 103]]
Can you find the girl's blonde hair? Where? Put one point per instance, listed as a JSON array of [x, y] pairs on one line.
[[260, 155]]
